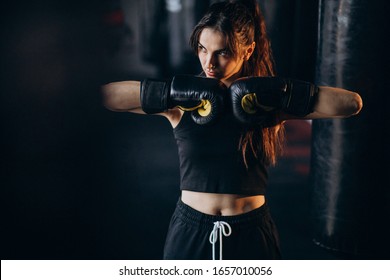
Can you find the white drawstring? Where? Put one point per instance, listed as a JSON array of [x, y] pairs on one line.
[[219, 226]]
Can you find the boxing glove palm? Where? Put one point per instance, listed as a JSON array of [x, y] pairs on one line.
[[202, 96], [255, 98]]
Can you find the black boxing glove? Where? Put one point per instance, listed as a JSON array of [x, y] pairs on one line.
[[254, 99], [202, 96]]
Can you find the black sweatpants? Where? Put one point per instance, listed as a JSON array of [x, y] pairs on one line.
[[253, 235]]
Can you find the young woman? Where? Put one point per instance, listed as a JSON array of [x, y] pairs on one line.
[[234, 130]]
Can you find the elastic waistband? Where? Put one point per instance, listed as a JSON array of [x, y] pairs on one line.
[[199, 219]]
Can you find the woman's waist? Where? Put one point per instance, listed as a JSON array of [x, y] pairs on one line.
[[221, 204]]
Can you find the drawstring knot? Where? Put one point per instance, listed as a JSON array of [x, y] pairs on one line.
[[220, 227]]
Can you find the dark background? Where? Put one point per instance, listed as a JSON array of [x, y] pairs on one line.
[[81, 182]]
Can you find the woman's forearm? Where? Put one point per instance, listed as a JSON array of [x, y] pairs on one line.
[[337, 102], [122, 96]]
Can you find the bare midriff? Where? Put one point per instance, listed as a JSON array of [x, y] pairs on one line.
[[221, 204]]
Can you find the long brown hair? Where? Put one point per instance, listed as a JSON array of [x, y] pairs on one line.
[[241, 23]]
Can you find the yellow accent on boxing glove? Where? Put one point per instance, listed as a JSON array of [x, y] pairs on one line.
[[204, 108], [251, 105]]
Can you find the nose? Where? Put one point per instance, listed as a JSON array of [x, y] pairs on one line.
[[211, 62]]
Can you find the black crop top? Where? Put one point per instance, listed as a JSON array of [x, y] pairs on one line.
[[211, 162]]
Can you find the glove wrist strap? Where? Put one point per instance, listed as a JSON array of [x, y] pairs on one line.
[[302, 98], [154, 96]]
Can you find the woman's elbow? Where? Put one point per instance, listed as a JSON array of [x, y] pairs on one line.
[[349, 105], [356, 104]]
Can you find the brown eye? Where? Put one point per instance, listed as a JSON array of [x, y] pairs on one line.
[[201, 48], [224, 53]]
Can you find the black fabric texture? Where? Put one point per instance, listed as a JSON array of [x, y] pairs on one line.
[[210, 159], [254, 235]]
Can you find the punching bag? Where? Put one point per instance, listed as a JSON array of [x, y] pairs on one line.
[[350, 157]]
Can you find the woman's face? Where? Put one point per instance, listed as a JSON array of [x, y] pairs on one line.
[[214, 58]]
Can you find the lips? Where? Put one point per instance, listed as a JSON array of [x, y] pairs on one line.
[[211, 74]]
